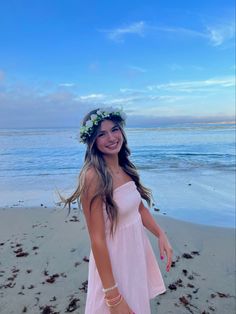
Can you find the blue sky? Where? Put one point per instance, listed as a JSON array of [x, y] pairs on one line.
[[162, 61]]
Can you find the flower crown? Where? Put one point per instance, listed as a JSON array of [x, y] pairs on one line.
[[101, 114]]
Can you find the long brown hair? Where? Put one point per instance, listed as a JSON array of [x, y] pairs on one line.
[[94, 159]]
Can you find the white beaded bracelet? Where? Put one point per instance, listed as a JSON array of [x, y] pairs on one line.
[[109, 289]]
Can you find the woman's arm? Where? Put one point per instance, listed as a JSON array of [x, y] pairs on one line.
[[150, 223], [96, 228]]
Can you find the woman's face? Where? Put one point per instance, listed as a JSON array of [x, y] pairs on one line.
[[109, 138]]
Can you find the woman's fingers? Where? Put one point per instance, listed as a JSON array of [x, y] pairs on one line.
[[169, 259], [161, 248], [165, 249]]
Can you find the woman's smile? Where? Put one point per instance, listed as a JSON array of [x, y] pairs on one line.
[[109, 139], [112, 145]]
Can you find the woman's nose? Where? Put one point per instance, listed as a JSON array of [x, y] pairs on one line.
[[110, 136]]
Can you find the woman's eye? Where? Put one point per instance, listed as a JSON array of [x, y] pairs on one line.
[[100, 135], [115, 129]]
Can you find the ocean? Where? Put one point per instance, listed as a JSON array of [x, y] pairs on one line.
[[190, 168]]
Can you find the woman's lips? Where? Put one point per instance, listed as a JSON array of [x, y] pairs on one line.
[[112, 146]]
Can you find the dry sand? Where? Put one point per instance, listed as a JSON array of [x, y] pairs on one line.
[[44, 263]]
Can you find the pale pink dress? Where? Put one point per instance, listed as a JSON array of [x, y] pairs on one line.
[[134, 265]]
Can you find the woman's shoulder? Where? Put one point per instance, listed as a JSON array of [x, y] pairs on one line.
[[89, 187], [90, 174], [90, 179]]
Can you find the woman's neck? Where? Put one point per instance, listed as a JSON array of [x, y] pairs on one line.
[[112, 162]]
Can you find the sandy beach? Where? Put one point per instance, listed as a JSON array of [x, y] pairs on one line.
[[44, 258]]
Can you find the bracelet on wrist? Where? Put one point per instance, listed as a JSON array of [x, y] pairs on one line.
[[112, 299], [115, 304], [110, 288]]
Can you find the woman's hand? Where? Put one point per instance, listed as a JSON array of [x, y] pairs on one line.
[[121, 308], [165, 249]]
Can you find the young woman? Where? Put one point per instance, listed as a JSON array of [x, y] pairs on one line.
[[123, 271]]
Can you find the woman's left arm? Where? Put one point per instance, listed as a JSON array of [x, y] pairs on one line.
[[150, 223]]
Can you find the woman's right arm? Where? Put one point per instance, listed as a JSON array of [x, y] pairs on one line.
[[96, 228]]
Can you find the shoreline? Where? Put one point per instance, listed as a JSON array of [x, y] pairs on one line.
[[197, 197], [52, 263], [156, 213]]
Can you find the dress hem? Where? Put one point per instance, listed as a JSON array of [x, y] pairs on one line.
[[156, 293]]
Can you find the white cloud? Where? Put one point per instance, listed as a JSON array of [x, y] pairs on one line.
[[67, 84], [217, 35], [143, 101], [178, 67], [124, 100], [137, 69], [24, 106], [163, 119], [132, 91], [166, 98], [191, 86], [180, 31], [221, 33], [118, 34], [92, 97]]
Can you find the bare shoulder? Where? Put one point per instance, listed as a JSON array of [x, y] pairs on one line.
[[90, 199], [90, 176], [91, 180]]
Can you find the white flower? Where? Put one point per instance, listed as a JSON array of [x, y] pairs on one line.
[[105, 114], [93, 117], [89, 123], [122, 115]]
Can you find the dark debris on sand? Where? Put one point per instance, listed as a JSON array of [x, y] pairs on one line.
[[223, 295], [86, 259], [77, 264], [183, 300], [74, 219], [47, 309], [187, 255], [45, 272], [177, 283], [84, 286], [53, 299], [173, 264], [20, 253], [52, 278], [73, 305], [186, 303], [185, 272], [186, 300]]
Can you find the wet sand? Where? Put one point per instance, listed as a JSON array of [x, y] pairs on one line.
[[44, 263]]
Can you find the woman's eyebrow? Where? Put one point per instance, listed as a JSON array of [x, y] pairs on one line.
[[115, 126]]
